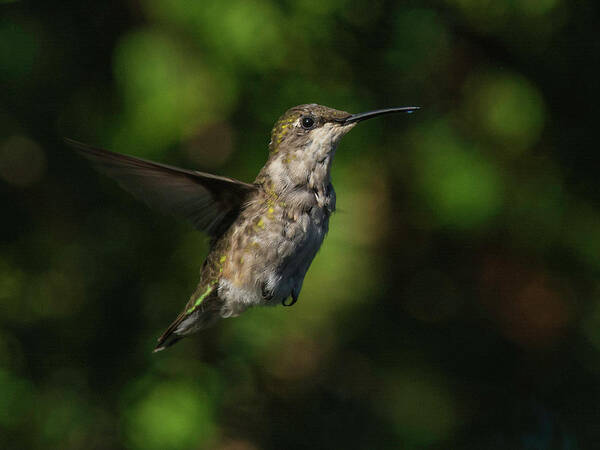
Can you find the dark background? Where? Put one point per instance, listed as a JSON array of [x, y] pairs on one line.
[[455, 302]]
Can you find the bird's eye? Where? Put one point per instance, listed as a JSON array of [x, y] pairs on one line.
[[307, 122]]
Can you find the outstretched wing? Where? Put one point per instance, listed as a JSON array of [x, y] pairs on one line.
[[210, 202]]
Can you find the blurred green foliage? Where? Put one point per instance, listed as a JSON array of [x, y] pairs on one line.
[[455, 302]]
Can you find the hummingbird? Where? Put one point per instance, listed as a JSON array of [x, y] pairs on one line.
[[263, 235]]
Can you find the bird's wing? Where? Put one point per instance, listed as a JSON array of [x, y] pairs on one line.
[[210, 202]]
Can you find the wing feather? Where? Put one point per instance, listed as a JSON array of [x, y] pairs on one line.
[[209, 202]]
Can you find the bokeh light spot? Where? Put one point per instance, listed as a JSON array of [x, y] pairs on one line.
[[530, 308], [460, 185], [239, 32], [167, 90], [507, 107], [424, 411], [171, 416]]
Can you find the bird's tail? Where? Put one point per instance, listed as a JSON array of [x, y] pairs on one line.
[[187, 322], [165, 342], [169, 337]]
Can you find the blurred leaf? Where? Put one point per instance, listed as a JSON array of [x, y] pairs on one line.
[[463, 189], [168, 92], [507, 108], [238, 31], [171, 416]]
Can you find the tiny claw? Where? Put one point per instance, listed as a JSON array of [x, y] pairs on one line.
[[294, 300]]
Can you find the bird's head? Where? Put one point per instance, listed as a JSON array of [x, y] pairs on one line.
[[303, 126], [306, 137]]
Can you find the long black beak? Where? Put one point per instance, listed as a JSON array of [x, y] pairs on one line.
[[379, 112]]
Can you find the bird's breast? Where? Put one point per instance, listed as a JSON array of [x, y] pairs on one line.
[[273, 243]]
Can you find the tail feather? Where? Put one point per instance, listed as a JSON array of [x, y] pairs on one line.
[[169, 337], [189, 322], [166, 342]]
